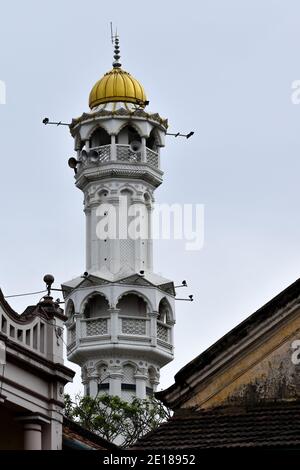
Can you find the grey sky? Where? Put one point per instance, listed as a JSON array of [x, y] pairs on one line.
[[221, 68]]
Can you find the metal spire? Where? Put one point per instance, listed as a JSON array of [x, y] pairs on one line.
[[115, 40]]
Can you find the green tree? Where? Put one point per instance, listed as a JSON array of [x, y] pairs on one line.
[[110, 417]]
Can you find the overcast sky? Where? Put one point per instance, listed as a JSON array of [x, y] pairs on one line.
[[222, 68]]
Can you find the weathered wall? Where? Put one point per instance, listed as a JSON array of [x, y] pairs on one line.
[[266, 373]]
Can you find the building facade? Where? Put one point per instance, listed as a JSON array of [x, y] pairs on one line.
[[243, 392], [32, 376], [120, 312]]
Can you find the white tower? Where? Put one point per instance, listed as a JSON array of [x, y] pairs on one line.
[[120, 313]]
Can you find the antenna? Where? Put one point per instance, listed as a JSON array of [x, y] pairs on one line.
[[111, 33], [183, 284], [189, 299], [115, 41], [46, 121], [178, 134]]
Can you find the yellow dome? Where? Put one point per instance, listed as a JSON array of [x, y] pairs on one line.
[[117, 85]]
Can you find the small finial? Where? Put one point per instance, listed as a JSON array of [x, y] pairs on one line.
[[48, 279], [115, 40], [116, 63]]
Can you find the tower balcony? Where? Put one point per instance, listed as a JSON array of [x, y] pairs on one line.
[[121, 153], [120, 332]]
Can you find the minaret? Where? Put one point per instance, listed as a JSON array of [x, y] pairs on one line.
[[120, 313]]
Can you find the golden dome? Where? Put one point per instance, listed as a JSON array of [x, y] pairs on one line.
[[117, 85]]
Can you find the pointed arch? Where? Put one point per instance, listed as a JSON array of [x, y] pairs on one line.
[[135, 293], [128, 362], [94, 128], [99, 137], [165, 312], [132, 124], [154, 140], [89, 299], [70, 308]]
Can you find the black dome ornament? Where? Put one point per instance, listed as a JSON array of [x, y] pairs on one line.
[[48, 279]]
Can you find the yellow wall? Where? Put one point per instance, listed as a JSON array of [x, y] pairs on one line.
[[265, 373]]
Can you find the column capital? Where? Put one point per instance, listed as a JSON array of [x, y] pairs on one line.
[[113, 310], [33, 419], [154, 314]]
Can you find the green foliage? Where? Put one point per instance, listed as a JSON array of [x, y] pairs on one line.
[[110, 417]]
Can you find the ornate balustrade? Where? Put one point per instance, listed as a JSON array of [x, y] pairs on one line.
[[125, 326], [133, 326], [31, 334], [152, 158], [123, 153], [163, 332], [96, 326]]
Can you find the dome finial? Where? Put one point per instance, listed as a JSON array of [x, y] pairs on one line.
[[117, 56]]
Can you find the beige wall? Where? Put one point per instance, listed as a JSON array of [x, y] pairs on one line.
[[264, 373]]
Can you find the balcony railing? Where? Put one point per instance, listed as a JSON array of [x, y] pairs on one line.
[[125, 154], [125, 326], [96, 327], [163, 332], [132, 326], [122, 153], [152, 158]]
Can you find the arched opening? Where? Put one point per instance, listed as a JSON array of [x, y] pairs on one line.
[[103, 378], [70, 309], [152, 141], [99, 137], [96, 306], [151, 381], [128, 194], [132, 305], [127, 135], [102, 195], [128, 385], [164, 311]]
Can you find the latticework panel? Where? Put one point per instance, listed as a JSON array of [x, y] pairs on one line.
[[162, 332], [133, 327], [152, 158], [96, 327], [125, 154], [104, 153], [126, 250], [128, 374]]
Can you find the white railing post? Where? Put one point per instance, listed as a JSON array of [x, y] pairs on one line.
[[153, 327], [113, 153], [144, 150]]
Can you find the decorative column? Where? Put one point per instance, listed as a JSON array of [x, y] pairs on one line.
[[113, 148], [114, 244], [114, 324], [144, 151], [93, 380], [32, 436], [153, 328], [115, 376], [32, 426], [78, 325], [150, 238], [87, 211], [141, 379]]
